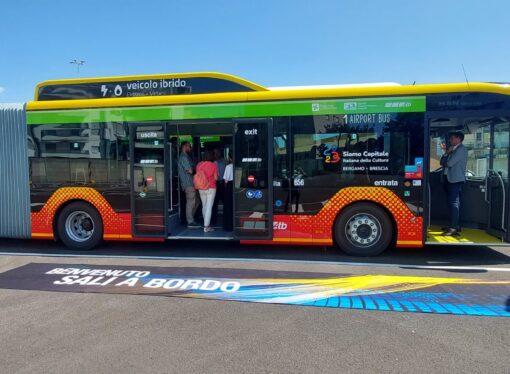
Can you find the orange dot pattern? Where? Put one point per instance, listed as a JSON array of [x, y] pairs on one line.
[[304, 229], [116, 225], [318, 228]]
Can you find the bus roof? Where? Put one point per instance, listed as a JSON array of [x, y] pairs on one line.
[[210, 87], [142, 85], [12, 106]]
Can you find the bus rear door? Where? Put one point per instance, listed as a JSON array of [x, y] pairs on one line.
[[148, 201]]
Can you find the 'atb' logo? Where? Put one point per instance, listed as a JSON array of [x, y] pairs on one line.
[[278, 225], [350, 105]]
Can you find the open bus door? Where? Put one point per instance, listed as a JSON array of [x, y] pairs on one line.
[[253, 183], [173, 187], [148, 182], [496, 187], [485, 204]]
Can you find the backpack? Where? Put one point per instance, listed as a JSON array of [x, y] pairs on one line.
[[200, 180]]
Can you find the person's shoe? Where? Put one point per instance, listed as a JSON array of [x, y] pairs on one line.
[[451, 232], [193, 225], [446, 228]]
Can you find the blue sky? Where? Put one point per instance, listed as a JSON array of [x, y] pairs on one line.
[[273, 43]]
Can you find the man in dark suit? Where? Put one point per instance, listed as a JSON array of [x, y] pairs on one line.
[[454, 162]]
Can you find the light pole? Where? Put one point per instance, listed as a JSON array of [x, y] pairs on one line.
[[78, 63]]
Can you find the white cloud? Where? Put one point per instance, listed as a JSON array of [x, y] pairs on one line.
[[2, 90]]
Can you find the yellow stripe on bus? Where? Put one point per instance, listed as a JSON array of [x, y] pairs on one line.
[[117, 236], [305, 240], [261, 95], [41, 235]]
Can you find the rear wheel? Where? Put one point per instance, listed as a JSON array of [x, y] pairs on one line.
[[363, 229], [79, 226]]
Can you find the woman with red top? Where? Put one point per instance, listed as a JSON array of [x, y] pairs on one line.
[[210, 169]]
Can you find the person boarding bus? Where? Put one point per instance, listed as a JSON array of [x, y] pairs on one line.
[[185, 168], [205, 182], [454, 162]]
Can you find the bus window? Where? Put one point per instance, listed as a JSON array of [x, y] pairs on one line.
[[80, 154], [332, 151]]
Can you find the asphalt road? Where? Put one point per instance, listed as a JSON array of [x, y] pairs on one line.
[[54, 332]]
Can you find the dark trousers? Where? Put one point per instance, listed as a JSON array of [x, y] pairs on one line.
[[220, 187], [228, 207], [453, 191]]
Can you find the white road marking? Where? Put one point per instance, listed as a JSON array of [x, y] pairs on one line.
[[311, 262]]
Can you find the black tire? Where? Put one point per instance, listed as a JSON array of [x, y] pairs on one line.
[[363, 229], [79, 226]]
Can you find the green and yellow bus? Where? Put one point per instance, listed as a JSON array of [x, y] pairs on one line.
[[353, 166]]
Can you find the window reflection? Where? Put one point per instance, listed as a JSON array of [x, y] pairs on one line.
[[333, 151], [85, 153]]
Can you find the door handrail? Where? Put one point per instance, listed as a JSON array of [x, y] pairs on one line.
[[504, 200], [500, 179], [487, 187]]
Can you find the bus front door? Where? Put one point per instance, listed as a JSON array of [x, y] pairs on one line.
[[253, 184], [148, 202], [484, 211], [496, 182]]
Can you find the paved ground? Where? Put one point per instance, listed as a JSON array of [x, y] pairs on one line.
[[66, 332]]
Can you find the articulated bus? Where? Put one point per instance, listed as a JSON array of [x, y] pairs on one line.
[[355, 167]]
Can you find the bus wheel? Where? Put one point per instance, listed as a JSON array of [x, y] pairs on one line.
[[80, 226], [363, 229]]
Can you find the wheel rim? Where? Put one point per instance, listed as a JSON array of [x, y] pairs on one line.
[[79, 226], [363, 230]]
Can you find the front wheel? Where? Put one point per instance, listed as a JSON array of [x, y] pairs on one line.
[[363, 229], [80, 226]]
